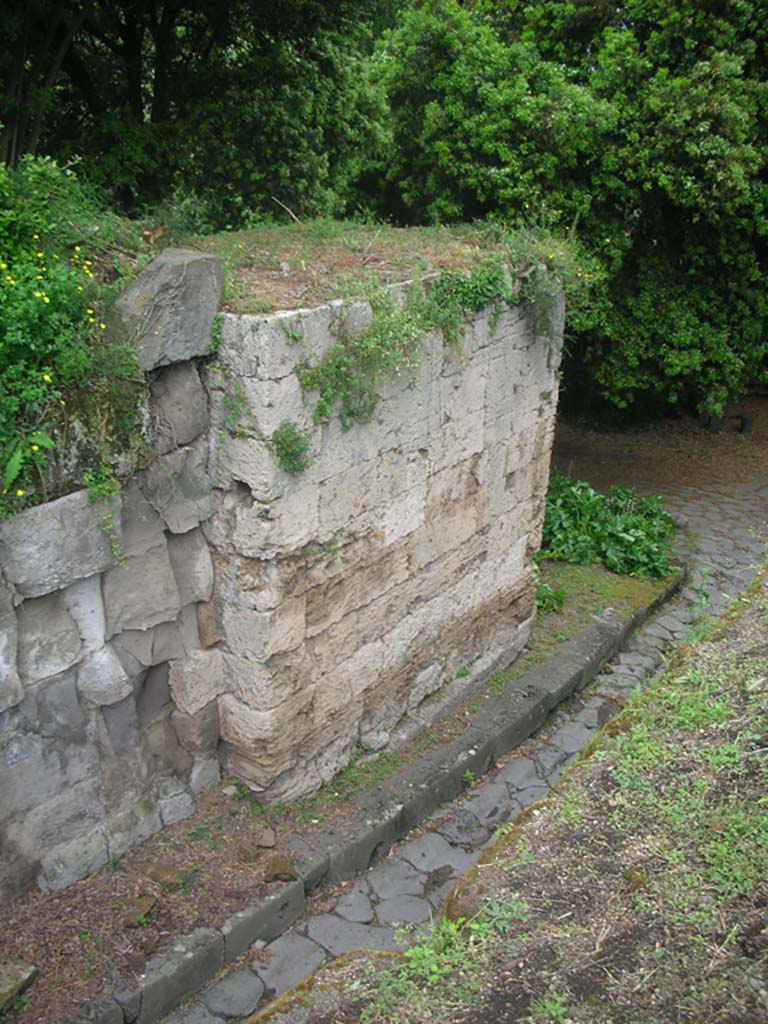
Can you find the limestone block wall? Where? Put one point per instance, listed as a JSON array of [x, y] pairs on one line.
[[236, 616], [345, 597]]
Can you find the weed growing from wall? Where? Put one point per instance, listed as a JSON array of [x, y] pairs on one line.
[[289, 445], [347, 377], [102, 487]]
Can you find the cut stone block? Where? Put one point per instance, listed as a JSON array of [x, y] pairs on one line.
[[287, 961], [142, 526], [179, 489], [192, 564], [170, 977], [49, 640], [154, 696], [15, 977], [48, 547], [85, 604], [180, 405], [197, 680], [174, 801], [142, 592], [11, 691], [69, 862], [200, 731], [167, 312], [101, 679]]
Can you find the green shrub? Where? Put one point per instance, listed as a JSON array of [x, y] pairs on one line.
[[56, 364], [625, 533]]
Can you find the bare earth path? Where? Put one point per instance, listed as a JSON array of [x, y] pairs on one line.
[[719, 485]]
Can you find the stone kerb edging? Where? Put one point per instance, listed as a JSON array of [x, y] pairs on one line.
[[385, 813]]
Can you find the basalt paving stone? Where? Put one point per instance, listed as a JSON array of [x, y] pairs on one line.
[[462, 829], [572, 737], [519, 773], [533, 793], [396, 878], [432, 851], [640, 661], [403, 910], [288, 960], [492, 804], [355, 905], [548, 757], [339, 936], [440, 893], [236, 995]]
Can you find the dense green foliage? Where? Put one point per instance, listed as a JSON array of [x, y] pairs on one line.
[[57, 370], [642, 126], [625, 533]]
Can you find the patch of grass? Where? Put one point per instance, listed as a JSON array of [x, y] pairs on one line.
[[364, 769]]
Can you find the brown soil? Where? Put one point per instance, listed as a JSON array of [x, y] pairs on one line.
[[295, 266], [669, 451]]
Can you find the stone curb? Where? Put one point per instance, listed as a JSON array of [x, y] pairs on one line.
[[388, 811]]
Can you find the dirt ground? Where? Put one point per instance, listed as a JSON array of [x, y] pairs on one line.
[[668, 451]]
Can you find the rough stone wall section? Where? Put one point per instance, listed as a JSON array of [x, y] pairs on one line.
[[92, 757], [239, 616]]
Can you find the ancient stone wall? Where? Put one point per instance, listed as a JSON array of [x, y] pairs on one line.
[[232, 615]]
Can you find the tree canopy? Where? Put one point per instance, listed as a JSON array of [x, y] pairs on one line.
[[638, 126]]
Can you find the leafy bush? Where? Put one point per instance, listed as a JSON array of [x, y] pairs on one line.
[[642, 126], [625, 533], [57, 368]]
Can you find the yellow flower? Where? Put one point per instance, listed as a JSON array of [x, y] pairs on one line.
[[39, 277], [39, 255], [35, 237], [79, 287], [91, 320], [87, 263], [89, 312], [103, 327], [3, 266], [38, 295], [77, 248], [35, 447], [46, 300], [47, 378], [19, 493]]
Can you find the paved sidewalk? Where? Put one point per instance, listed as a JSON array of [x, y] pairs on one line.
[[729, 529]]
